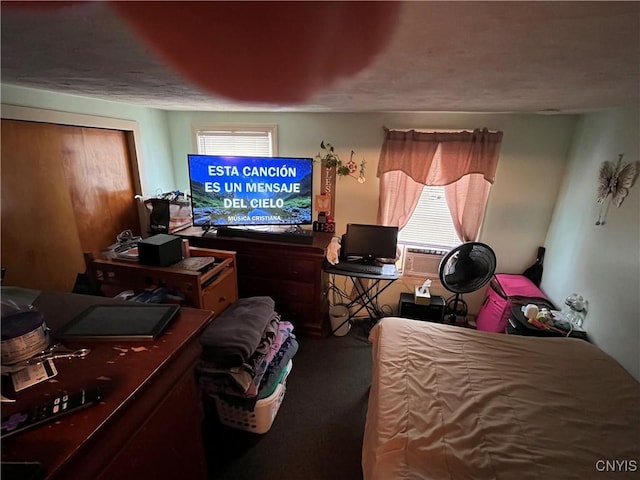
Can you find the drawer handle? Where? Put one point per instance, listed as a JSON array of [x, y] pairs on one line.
[[222, 299]]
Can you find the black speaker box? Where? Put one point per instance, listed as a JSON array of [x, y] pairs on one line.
[[160, 250]]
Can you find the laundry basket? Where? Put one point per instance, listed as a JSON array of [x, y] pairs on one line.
[[258, 420]]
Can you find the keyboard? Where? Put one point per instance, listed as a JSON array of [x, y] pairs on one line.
[[359, 268]]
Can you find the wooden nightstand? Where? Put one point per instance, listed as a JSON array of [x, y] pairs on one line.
[[212, 289], [518, 325]]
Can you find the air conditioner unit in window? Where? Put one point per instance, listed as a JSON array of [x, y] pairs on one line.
[[422, 262]]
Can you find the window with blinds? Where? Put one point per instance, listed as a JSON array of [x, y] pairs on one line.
[[254, 142], [430, 225], [428, 236]]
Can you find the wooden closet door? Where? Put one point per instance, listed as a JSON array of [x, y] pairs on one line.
[[98, 171], [40, 244], [65, 190]]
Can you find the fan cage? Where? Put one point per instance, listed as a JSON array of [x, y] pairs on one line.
[[465, 269]]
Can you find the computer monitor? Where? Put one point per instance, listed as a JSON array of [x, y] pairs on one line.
[[368, 242]]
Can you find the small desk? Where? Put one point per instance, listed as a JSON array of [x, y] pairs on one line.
[[148, 424], [366, 294], [434, 312]]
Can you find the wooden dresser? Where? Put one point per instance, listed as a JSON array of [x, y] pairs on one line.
[[148, 424], [290, 273]]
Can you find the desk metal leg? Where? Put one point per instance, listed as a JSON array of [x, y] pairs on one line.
[[366, 297]]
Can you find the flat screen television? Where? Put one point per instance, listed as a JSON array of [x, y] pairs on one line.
[[250, 191], [368, 242]]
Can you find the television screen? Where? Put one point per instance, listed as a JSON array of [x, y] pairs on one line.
[[227, 191], [370, 241]]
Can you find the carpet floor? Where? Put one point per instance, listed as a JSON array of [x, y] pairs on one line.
[[317, 433]]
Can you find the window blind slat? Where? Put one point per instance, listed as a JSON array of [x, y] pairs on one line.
[[431, 223], [235, 142]]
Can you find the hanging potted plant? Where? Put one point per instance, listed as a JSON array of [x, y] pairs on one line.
[[330, 159]]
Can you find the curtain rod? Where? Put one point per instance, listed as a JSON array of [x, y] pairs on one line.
[[435, 130]]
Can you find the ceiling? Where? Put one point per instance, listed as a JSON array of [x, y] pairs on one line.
[[545, 57]]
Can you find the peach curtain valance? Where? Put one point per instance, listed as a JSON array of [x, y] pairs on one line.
[[440, 158]]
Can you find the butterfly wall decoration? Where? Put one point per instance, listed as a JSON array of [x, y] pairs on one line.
[[615, 180]]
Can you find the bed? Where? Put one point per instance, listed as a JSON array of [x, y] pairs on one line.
[[453, 403]]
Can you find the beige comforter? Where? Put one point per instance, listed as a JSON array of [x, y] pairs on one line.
[[453, 403]]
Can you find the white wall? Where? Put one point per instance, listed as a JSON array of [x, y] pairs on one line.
[[600, 262]]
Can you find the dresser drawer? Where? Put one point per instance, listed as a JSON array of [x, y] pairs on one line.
[[281, 291], [251, 266], [220, 294], [297, 292], [298, 270], [281, 268], [258, 287], [300, 314]]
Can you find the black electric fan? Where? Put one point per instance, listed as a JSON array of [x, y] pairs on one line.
[[465, 269]]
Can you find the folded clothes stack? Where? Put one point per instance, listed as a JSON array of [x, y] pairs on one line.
[[245, 352]]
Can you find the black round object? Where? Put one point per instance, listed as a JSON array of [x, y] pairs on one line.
[[467, 267], [21, 323]]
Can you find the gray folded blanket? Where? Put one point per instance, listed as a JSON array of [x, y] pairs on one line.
[[233, 337]]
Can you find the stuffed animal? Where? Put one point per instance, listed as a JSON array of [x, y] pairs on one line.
[[333, 251]]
